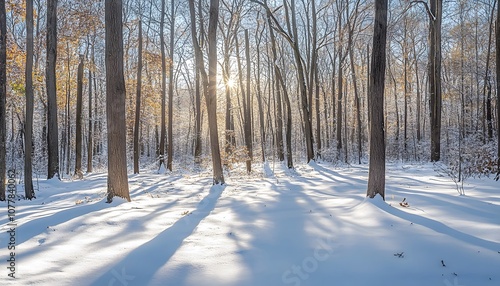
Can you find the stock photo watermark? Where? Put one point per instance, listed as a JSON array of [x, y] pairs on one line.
[[120, 278], [298, 273], [12, 224]]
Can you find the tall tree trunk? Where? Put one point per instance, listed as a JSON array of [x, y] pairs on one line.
[[3, 97], [163, 129], [487, 79], [115, 103], [435, 77], [50, 76], [259, 99], [209, 82], [340, 93], [304, 104], [138, 101], [419, 96], [279, 112], [170, 148], [28, 138], [498, 83], [90, 142], [79, 103], [376, 173], [248, 112], [211, 96]]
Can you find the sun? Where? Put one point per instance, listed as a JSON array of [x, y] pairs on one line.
[[230, 83]]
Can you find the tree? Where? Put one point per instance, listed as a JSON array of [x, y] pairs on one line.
[[498, 83], [3, 96], [163, 86], [138, 101], [51, 88], [79, 107], [376, 173], [28, 136], [115, 103], [435, 77], [170, 148], [209, 82]]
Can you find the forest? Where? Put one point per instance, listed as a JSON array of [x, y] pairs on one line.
[[286, 81], [250, 142]]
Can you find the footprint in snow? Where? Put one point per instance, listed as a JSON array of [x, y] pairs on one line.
[[41, 241]]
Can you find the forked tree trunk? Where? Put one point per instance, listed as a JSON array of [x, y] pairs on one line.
[[209, 82], [376, 175], [115, 103]]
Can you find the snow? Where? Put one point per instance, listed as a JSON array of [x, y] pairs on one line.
[[309, 226]]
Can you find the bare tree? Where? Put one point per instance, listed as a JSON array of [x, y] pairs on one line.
[[170, 144], [163, 85], [50, 78], [376, 175], [498, 83], [115, 103], [138, 101], [209, 82], [435, 77], [79, 107], [3, 96], [28, 136]]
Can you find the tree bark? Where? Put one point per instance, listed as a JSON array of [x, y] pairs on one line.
[[115, 103], [3, 97], [209, 82], [435, 77], [498, 83], [79, 103], [29, 192], [170, 144], [90, 143], [50, 77], [163, 129], [376, 173], [138, 101]]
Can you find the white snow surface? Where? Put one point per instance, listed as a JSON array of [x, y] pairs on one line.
[[309, 226]]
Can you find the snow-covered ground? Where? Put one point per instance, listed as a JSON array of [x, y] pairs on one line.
[[311, 226]]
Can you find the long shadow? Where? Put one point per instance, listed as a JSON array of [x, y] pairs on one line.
[[143, 262], [37, 226], [439, 227]]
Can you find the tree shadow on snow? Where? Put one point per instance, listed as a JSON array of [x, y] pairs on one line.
[[143, 262]]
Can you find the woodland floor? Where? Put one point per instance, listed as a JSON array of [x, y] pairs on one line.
[[309, 226]]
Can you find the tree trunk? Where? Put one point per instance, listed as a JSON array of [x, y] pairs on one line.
[[170, 144], [163, 129], [209, 82], [304, 105], [138, 101], [248, 113], [90, 143], [279, 112], [259, 100], [498, 82], [28, 138], [487, 79], [79, 103], [3, 96], [376, 173], [50, 77], [115, 103], [435, 78]]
